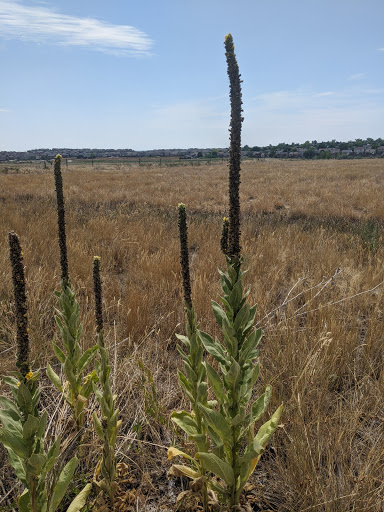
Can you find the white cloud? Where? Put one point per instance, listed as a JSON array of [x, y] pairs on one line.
[[4, 110], [357, 76], [381, 49], [41, 24], [327, 93]]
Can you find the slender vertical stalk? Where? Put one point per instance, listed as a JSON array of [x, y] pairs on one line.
[[234, 150], [184, 257], [107, 428], [98, 294], [16, 257], [61, 221]]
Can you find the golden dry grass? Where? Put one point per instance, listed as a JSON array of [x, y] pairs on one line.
[[312, 243]]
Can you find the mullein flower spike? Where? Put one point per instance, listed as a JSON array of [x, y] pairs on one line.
[[16, 257], [184, 257], [234, 150], [61, 221], [98, 294]]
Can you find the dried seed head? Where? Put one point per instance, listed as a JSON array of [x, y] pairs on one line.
[[184, 257], [21, 303], [61, 221], [98, 293], [234, 149]]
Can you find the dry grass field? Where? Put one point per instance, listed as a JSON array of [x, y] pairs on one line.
[[312, 241]]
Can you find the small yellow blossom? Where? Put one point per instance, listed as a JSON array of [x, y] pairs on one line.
[[29, 375], [96, 257], [18, 384]]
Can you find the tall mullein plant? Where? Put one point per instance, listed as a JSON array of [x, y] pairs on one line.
[[236, 447], [193, 381], [107, 426], [23, 429], [75, 386]]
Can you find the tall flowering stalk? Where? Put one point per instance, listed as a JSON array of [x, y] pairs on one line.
[[23, 429], [234, 149], [61, 220], [234, 448], [18, 279], [193, 381], [108, 426], [75, 386]]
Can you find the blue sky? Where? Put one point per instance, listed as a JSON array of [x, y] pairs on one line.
[[152, 74]]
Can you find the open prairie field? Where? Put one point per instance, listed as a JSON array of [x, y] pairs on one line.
[[312, 241]]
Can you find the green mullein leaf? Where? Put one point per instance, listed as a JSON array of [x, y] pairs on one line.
[[59, 353], [217, 466], [23, 501], [81, 499], [249, 348], [62, 484], [98, 426], [9, 423], [86, 358], [18, 465], [231, 378], [266, 431], [14, 442], [185, 421], [241, 317], [260, 405], [30, 427], [218, 312], [218, 423], [54, 378], [215, 382], [213, 348], [183, 339]]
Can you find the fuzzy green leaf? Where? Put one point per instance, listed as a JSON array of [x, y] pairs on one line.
[[30, 427], [15, 443], [97, 425], [266, 431], [80, 500], [217, 466], [86, 358], [260, 405], [54, 378], [218, 312], [185, 421], [213, 348], [59, 353], [218, 423], [63, 484], [216, 383], [23, 501]]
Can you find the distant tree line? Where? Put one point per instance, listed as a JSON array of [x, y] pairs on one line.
[[323, 150]]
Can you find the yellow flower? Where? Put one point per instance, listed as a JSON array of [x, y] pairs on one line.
[[18, 384], [29, 375]]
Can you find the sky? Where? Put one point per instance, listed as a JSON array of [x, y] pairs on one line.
[[151, 74]]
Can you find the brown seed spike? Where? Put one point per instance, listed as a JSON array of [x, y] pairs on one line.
[[234, 150], [61, 221], [18, 279], [98, 294], [184, 256]]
